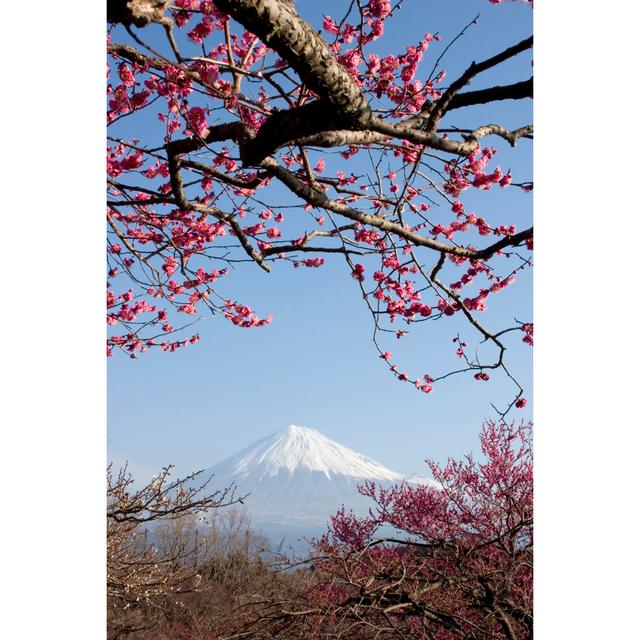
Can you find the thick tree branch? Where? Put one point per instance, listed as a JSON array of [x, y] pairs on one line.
[[291, 248], [279, 26], [495, 129], [517, 91], [284, 127], [416, 136], [137, 12], [313, 124], [236, 131]]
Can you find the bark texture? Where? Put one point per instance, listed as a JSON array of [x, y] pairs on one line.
[[278, 25], [137, 12]]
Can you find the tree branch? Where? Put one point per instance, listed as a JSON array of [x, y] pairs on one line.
[[183, 202], [279, 26], [517, 91], [440, 107]]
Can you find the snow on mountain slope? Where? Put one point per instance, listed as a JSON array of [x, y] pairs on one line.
[[297, 449], [297, 478]]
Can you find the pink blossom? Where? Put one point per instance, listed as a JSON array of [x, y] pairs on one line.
[[170, 265], [358, 272], [379, 8], [126, 75], [329, 25], [196, 122]]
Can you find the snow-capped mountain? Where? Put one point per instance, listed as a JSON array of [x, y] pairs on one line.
[[297, 478], [297, 450]]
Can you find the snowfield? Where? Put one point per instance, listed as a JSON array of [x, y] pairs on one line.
[[295, 479], [296, 449]]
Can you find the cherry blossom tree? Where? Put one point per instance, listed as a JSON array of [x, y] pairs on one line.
[[446, 563], [243, 100]]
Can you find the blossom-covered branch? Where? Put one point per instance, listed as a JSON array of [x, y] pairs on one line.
[[245, 99]]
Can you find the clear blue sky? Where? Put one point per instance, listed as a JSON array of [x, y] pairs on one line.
[[316, 365]]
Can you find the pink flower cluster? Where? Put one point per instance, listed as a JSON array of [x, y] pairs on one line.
[[473, 528], [472, 173], [243, 316]]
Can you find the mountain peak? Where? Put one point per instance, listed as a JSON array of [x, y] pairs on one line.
[[297, 430], [302, 449]]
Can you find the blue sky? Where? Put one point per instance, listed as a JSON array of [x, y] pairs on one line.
[[316, 365]]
